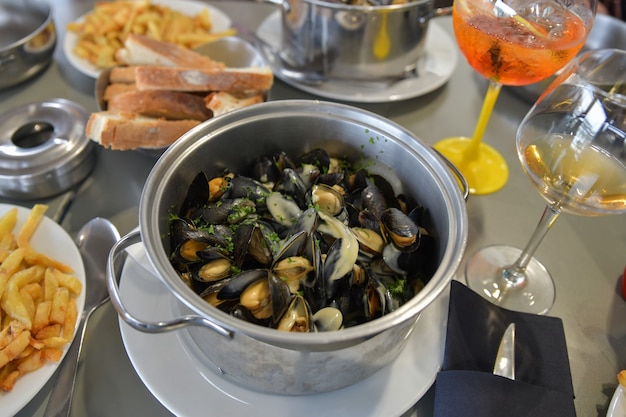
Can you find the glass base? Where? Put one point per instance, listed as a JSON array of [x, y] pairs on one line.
[[485, 173], [534, 293]]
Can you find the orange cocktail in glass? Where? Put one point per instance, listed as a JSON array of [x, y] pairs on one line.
[[503, 50], [510, 43]]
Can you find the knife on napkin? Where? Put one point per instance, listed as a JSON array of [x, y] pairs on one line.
[[505, 358], [466, 385]]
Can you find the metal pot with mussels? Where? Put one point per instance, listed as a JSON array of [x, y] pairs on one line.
[[229, 221], [306, 244]]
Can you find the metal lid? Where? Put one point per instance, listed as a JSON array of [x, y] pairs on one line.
[[43, 149]]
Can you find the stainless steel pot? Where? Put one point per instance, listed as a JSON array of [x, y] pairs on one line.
[[266, 359], [27, 39], [335, 39]]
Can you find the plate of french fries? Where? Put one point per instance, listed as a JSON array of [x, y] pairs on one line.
[[42, 295], [91, 40]]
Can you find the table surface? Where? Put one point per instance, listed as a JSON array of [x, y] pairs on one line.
[[586, 256]]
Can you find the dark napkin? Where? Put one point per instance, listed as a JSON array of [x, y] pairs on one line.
[[466, 385]]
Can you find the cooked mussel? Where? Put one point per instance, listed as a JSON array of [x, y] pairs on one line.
[[327, 199], [297, 317], [400, 229], [327, 319], [251, 249]]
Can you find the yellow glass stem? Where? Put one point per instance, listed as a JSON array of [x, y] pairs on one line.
[[493, 91], [482, 166]]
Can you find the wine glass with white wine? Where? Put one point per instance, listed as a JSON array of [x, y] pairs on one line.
[[572, 146]]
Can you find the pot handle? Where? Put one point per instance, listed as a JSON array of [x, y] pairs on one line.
[[442, 11], [459, 176], [283, 4], [115, 264]]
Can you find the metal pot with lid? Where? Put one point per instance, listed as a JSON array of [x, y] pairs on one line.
[[43, 149]]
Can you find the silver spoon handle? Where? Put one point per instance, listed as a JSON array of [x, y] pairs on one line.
[[60, 399]]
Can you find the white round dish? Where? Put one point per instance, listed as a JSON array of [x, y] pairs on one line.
[[617, 407], [439, 64], [52, 240], [220, 20], [178, 375]]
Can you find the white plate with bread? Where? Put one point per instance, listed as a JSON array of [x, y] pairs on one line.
[[220, 23]]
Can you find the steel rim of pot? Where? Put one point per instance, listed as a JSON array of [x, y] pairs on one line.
[[351, 7]]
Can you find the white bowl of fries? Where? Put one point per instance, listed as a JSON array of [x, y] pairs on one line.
[[91, 40], [42, 282]]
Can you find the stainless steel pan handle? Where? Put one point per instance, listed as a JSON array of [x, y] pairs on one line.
[[115, 265], [459, 176]]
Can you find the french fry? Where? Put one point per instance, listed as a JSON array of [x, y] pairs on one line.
[[14, 348], [51, 330], [71, 316], [55, 341], [200, 38], [10, 332], [38, 311], [52, 354], [12, 302], [68, 281], [42, 314], [35, 344], [34, 290], [59, 305], [33, 257], [7, 223], [29, 227], [31, 363], [50, 285], [8, 379], [9, 266], [29, 303]]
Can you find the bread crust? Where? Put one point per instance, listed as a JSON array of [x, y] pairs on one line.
[[221, 102], [234, 80], [115, 89], [125, 131], [174, 105], [142, 50], [122, 75]]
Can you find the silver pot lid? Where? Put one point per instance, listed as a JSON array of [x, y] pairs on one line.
[[43, 149]]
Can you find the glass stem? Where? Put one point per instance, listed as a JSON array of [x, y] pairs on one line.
[[515, 274], [493, 91]]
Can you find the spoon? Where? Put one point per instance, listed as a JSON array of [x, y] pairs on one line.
[[94, 240]]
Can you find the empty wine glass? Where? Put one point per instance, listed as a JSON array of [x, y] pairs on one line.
[[572, 146], [510, 42]]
